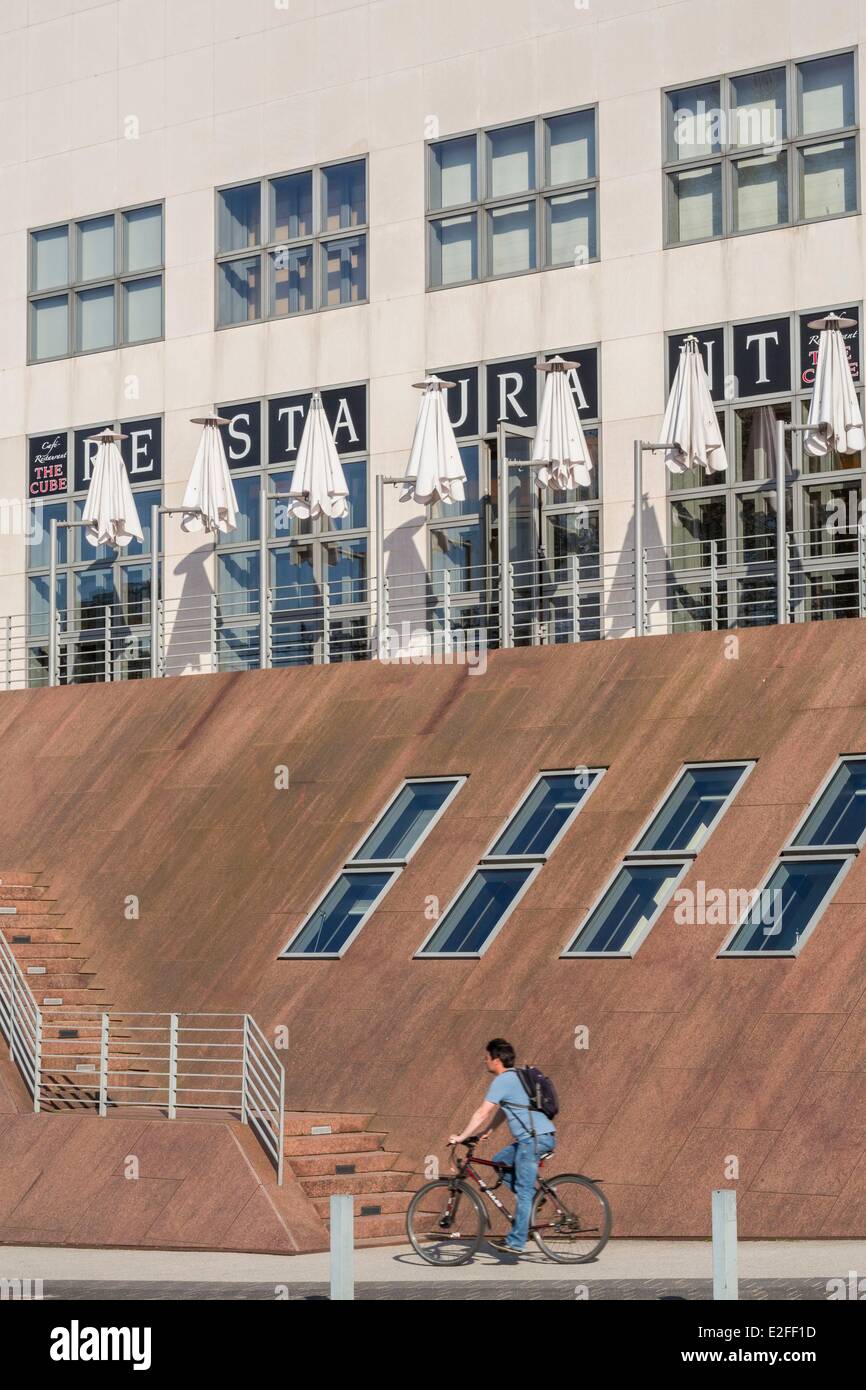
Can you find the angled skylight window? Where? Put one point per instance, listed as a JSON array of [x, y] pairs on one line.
[[839, 818], [688, 815]]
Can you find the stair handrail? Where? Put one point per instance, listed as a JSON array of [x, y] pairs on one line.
[[20, 1020]]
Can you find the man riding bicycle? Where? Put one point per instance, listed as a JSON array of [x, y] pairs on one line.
[[533, 1135]]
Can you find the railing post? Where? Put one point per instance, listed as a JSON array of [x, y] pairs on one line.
[[53, 615], [861, 571], [245, 1062], [639, 576], [103, 1066], [155, 597], [781, 536], [575, 599], [714, 586], [326, 621], [107, 645], [37, 1062], [342, 1247], [725, 1284], [172, 1066], [8, 653]]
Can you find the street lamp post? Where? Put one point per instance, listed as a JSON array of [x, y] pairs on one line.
[[641, 447], [381, 482]]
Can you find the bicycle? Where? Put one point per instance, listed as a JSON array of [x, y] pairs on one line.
[[570, 1220]]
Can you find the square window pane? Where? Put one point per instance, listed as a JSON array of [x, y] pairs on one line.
[[573, 536], [346, 570], [95, 318], [695, 523], [39, 534], [49, 327], [142, 309], [453, 250], [832, 514], [469, 453], [756, 598], [238, 585], [239, 217], [460, 551], [618, 924], [291, 207], [291, 280], [572, 228], [512, 160], [758, 108], [49, 258], [237, 648], [342, 913], [755, 442], [38, 606], [830, 594], [544, 813], [756, 526], [96, 248], [695, 204], [142, 238], [294, 580], [95, 597], [691, 810], [828, 179], [512, 239], [826, 94], [760, 192], [406, 821], [840, 815], [694, 124], [454, 172], [247, 529], [785, 908], [355, 474], [344, 270], [478, 911], [240, 290], [571, 147], [345, 191]]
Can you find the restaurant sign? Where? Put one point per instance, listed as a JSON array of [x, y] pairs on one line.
[[48, 458], [513, 393], [345, 409]]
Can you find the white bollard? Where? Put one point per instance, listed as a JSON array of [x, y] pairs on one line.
[[342, 1247], [725, 1244]]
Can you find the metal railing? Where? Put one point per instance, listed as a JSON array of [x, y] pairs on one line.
[[80, 1059], [696, 584]]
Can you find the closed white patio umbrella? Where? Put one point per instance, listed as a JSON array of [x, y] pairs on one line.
[[209, 502], [319, 485], [110, 516], [559, 450], [435, 471], [834, 421], [690, 431]]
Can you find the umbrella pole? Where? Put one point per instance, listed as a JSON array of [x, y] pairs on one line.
[[52, 606], [638, 538], [781, 538], [154, 590]]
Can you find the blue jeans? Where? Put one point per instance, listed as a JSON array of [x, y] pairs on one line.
[[523, 1155]]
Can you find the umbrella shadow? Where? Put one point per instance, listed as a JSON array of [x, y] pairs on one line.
[[619, 606], [188, 643]]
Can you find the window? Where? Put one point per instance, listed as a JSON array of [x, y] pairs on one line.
[[512, 199], [642, 886], [96, 283], [811, 866], [358, 889], [519, 852], [722, 526], [761, 149], [292, 243]]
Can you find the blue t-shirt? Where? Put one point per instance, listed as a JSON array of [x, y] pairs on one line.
[[507, 1090]]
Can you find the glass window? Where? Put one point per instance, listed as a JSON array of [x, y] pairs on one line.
[[454, 250], [239, 290], [826, 94], [694, 128], [292, 206], [239, 217], [49, 331], [469, 453], [142, 309], [828, 179], [758, 108], [454, 172], [96, 248], [459, 550], [695, 204], [291, 280], [545, 813], [479, 912], [761, 192], [39, 534], [341, 914], [570, 147], [345, 270], [294, 578], [345, 196], [355, 473], [50, 258], [512, 239], [626, 912], [691, 810], [695, 523], [839, 819], [787, 907], [755, 442], [406, 821], [572, 230], [238, 583], [95, 318], [512, 160], [142, 238], [346, 570]]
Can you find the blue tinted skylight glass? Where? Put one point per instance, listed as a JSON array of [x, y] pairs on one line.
[[840, 815], [340, 914], [691, 809], [785, 908], [544, 813], [636, 894], [477, 912], [401, 827]]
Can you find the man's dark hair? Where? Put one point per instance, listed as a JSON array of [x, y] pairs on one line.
[[498, 1047]]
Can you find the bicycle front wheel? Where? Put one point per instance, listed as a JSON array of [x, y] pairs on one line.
[[571, 1219], [446, 1222]]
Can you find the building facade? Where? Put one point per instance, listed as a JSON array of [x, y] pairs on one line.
[[225, 204]]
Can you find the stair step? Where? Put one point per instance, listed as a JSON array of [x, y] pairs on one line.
[[25, 948], [391, 1225], [356, 1183], [35, 907], [342, 1165], [58, 935], [350, 1142], [387, 1202], [22, 892], [21, 877], [76, 995], [303, 1122], [66, 981]]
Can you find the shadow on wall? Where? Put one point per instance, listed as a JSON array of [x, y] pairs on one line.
[[188, 621]]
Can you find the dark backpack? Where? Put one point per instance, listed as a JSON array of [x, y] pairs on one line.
[[540, 1090]]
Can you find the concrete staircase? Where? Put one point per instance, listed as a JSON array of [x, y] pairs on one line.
[[337, 1153]]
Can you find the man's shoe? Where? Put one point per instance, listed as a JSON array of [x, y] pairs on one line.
[[503, 1243]]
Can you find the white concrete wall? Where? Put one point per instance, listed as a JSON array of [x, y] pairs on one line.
[[232, 89]]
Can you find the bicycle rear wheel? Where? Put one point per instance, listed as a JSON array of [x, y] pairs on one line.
[[571, 1219], [446, 1222]]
